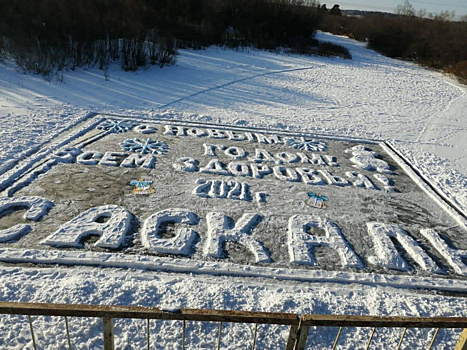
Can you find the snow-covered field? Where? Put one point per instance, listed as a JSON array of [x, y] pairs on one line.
[[374, 97]]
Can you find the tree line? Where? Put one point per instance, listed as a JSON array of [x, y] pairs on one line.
[[49, 35], [45, 36], [438, 42]]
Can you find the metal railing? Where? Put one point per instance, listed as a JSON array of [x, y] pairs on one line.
[[297, 336]]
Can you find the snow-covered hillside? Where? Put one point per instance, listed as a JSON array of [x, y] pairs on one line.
[[423, 113]]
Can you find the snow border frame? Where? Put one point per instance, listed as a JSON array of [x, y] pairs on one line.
[[40, 155]]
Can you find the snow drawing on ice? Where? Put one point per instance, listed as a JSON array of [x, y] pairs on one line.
[[151, 237], [145, 129], [386, 254], [117, 126], [306, 145], [222, 189], [144, 147], [299, 241], [308, 106], [455, 257], [246, 168], [317, 200], [387, 182], [37, 208], [220, 231], [67, 155], [112, 232], [365, 158]]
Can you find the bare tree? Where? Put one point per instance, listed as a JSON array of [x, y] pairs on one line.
[[405, 9], [445, 16], [421, 13]]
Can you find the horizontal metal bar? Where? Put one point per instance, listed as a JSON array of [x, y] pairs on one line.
[[383, 321], [228, 316], [147, 313]]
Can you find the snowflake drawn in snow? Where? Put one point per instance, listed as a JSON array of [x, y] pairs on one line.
[[145, 147], [117, 126], [306, 145]]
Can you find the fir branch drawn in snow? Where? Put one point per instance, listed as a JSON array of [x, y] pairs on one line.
[[144, 147], [306, 145], [317, 200], [116, 126]]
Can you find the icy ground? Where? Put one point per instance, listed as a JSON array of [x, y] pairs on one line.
[[372, 96]]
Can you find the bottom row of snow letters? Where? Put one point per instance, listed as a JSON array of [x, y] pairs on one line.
[[300, 241]]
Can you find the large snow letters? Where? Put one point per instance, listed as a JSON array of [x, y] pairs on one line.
[[211, 195]]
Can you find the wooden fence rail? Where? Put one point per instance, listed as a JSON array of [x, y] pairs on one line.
[[298, 332]]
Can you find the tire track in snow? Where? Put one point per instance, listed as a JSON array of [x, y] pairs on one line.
[[235, 82], [447, 136], [439, 114]]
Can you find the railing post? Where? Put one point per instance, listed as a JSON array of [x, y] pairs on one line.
[[183, 334], [220, 335], [337, 339], [371, 338], [148, 333], [301, 336], [462, 343], [401, 339], [433, 339], [254, 337], [293, 333], [32, 333], [108, 333], [67, 333]]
